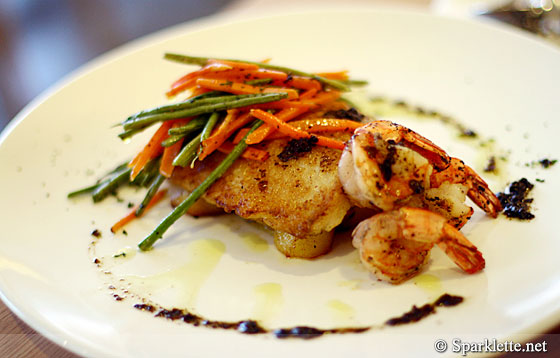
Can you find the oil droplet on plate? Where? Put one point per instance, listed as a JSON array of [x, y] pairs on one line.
[[351, 284], [255, 242], [268, 301], [183, 283], [429, 283], [341, 312]]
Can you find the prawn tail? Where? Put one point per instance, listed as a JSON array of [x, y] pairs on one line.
[[461, 251], [481, 195]]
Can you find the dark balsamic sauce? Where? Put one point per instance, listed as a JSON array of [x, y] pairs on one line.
[[546, 163], [297, 148], [351, 114], [301, 332], [418, 313], [515, 202], [174, 314]]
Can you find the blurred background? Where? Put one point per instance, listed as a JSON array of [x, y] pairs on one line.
[[43, 40]]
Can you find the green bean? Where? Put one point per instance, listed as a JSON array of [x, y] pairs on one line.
[[129, 133], [150, 194], [242, 101], [207, 130], [258, 82], [91, 188], [357, 83], [147, 175], [111, 185], [182, 208], [192, 60], [188, 153], [208, 97], [85, 190], [172, 139], [192, 126], [176, 134]]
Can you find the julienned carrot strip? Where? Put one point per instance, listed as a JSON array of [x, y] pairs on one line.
[[263, 131], [318, 125], [234, 75], [323, 97], [308, 94], [169, 153], [185, 85], [255, 154], [330, 142], [134, 160], [240, 135], [249, 153], [341, 75], [292, 132], [278, 124], [242, 88], [187, 81], [132, 215], [197, 91], [326, 125], [222, 133], [151, 150], [302, 83], [235, 64]]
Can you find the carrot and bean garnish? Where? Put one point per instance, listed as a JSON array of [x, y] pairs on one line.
[[231, 105]]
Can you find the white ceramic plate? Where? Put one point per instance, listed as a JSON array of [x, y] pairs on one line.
[[501, 82]]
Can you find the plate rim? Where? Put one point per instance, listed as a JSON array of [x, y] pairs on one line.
[[213, 21]]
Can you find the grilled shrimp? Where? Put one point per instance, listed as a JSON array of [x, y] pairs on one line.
[[388, 166], [394, 245]]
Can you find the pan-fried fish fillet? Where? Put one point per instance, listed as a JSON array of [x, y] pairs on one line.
[[302, 196]]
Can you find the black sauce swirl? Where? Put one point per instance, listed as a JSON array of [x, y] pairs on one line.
[[302, 332]]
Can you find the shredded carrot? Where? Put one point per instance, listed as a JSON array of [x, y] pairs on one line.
[[151, 150], [169, 153], [197, 91], [318, 125], [249, 153], [240, 135], [189, 79], [324, 97], [308, 94], [132, 215], [305, 83], [330, 142], [231, 123], [326, 125], [292, 132], [242, 88], [263, 131], [341, 75]]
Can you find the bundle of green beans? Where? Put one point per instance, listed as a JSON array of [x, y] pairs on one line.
[[117, 178]]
